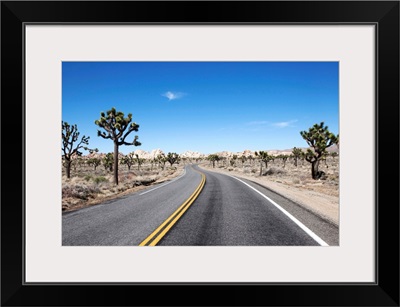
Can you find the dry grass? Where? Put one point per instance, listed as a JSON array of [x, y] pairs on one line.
[[88, 187]]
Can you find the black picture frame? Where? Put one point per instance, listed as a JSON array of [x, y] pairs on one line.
[[383, 14]]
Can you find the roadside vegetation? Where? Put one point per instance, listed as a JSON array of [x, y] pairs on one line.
[[90, 177], [89, 186]]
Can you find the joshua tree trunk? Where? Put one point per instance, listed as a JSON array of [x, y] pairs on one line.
[[68, 168], [314, 169], [116, 163], [261, 162]]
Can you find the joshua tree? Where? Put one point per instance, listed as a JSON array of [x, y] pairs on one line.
[[71, 145], [234, 159], [251, 158], [128, 160], [296, 155], [115, 125], [108, 161], [264, 157], [95, 162], [243, 159], [139, 161], [319, 138], [162, 159], [212, 158], [284, 159], [152, 161], [172, 158]]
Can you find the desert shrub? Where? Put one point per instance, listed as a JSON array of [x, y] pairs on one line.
[[146, 181], [88, 177], [254, 170], [334, 177], [79, 191], [121, 188], [274, 171], [100, 179]]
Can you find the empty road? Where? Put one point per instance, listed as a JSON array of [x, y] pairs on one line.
[[199, 208]]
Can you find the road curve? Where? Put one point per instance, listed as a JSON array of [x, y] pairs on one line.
[[206, 209], [230, 213], [130, 219]]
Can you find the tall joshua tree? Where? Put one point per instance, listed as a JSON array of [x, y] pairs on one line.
[[117, 128], [71, 144], [319, 138]]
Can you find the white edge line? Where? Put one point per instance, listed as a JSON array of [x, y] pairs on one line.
[[165, 183], [300, 224]]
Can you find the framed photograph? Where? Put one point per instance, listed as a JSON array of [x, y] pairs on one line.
[[207, 148]]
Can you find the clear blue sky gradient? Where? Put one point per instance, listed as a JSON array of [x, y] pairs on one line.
[[203, 106]]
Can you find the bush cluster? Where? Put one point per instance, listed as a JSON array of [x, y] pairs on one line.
[[79, 191], [274, 171]]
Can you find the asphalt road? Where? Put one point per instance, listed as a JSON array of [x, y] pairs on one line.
[[228, 212], [130, 219]]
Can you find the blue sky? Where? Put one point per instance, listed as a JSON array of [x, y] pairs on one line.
[[203, 106]]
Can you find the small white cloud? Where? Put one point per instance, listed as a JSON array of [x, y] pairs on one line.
[[284, 124], [172, 96]]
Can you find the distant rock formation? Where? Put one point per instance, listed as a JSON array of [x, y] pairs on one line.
[[192, 155], [149, 155]]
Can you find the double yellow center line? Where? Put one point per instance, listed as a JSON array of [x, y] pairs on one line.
[[162, 230]]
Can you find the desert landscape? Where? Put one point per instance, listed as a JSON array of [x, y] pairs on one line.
[[255, 122], [90, 185]]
